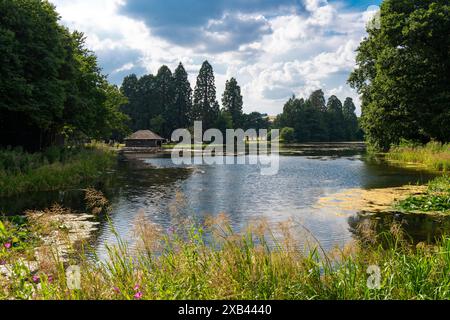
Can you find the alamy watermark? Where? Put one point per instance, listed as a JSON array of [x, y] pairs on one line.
[[73, 277], [374, 280], [263, 149]]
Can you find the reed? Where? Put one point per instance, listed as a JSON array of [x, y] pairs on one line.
[[434, 155], [251, 265], [54, 169]]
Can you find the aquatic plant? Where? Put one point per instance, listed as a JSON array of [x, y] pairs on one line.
[[437, 198]]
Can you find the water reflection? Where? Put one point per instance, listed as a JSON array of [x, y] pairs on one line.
[[416, 227], [154, 185]]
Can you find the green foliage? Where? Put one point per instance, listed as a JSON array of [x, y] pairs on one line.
[[50, 82], [183, 98], [335, 117], [287, 135], [232, 102], [15, 240], [224, 121], [437, 198], [205, 108], [54, 169], [313, 121], [428, 203], [351, 126], [255, 120], [161, 103], [403, 74], [164, 103]]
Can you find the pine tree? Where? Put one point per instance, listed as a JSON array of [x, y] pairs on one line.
[[315, 112], [350, 119], [206, 107], [335, 119], [165, 92], [232, 102], [183, 98], [130, 90], [317, 100]]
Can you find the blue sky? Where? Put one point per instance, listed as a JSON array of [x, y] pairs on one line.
[[274, 48]]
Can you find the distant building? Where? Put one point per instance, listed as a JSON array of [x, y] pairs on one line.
[[144, 140], [271, 119]]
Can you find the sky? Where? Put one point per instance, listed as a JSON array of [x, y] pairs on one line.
[[275, 49]]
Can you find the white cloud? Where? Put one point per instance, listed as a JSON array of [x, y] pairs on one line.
[[294, 53], [125, 67]]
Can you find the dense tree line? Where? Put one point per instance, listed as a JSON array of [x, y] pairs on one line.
[[50, 85], [403, 74], [166, 102], [315, 120]]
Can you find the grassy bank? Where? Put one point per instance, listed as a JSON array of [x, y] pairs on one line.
[[54, 169], [241, 266], [434, 156]]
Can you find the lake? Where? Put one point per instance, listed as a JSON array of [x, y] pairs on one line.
[[167, 194]]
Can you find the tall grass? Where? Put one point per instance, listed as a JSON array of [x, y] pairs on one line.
[[54, 169], [434, 155], [243, 266]]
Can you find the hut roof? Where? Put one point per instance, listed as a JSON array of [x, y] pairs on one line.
[[144, 135]]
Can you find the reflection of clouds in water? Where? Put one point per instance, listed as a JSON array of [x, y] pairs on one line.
[[241, 192]]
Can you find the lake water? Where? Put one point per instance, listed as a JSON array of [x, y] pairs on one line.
[[166, 193]]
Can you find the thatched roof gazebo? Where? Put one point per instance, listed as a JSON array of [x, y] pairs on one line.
[[144, 140]]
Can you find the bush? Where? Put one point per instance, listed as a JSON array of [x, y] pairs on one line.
[[287, 135]]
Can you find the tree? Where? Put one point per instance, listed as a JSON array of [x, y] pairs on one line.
[[183, 98], [157, 124], [294, 116], [130, 89], [317, 100], [165, 103], [32, 55], [287, 135], [232, 102], [50, 83], [403, 74], [115, 121], [224, 121], [144, 101], [92, 104], [255, 120], [311, 124], [335, 119], [315, 111], [206, 107], [162, 103], [351, 126]]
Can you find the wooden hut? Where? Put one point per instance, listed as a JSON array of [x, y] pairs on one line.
[[144, 140]]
